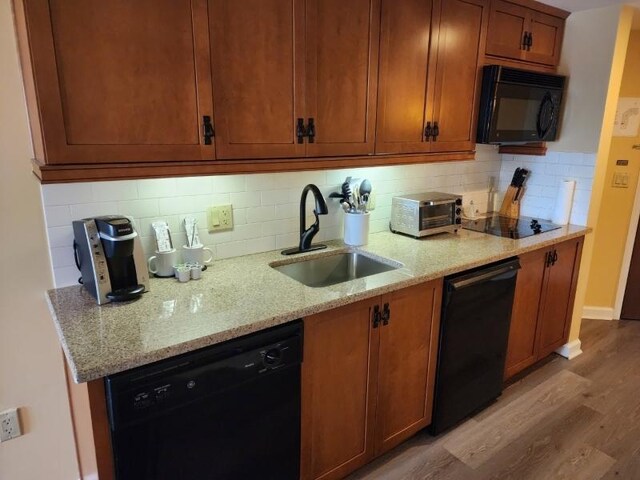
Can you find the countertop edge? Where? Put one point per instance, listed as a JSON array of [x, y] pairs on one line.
[[90, 374]]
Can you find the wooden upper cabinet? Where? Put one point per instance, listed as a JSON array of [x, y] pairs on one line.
[[404, 88], [117, 81], [546, 39], [430, 56], [507, 24], [257, 56], [406, 371], [513, 26], [460, 49], [341, 75]]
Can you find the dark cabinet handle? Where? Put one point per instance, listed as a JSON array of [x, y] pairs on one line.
[[376, 316], [525, 40], [436, 131], [311, 130], [555, 257], [386, 314], [427, 132], [548, 257], [300, 130], [207, 129], [530, 44]]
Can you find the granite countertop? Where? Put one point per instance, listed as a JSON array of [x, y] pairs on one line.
[[241, 295]]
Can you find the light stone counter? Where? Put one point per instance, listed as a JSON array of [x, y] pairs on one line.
[[244, 294]]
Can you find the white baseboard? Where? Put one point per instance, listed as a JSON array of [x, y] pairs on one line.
[[570, 350], [598, 313]]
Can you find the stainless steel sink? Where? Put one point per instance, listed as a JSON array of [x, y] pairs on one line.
[[335, 268]]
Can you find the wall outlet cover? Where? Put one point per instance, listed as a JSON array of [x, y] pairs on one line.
[[9, 425], [219, 217]]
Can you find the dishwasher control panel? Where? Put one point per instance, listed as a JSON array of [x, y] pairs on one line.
[[182, 382]]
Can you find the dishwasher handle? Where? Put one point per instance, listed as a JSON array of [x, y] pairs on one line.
[[503, 272]]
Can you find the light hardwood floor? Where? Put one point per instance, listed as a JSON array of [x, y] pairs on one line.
[[571, 420]]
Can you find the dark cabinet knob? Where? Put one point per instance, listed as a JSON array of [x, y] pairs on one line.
[[376, 316], [301, 132], [427, 132], [207, 129], [311, 130], [435, 132], [386, 314]]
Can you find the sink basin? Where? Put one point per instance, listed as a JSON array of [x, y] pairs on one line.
[[335, 268]]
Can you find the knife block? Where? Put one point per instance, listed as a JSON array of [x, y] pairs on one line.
[[510, 206]]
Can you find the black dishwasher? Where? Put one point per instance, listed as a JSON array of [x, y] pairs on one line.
[[474, 331], [229, 411]]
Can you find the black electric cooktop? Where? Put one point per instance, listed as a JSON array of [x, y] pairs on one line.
[[509, 227]]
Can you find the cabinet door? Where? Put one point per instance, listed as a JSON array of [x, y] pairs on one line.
[[557, 302], [121, 81], [507, 24], [460, 43], [546, 39], [522, 350], [257, 52], [405, 87], [341, 75], [340, 349], [407, 362]]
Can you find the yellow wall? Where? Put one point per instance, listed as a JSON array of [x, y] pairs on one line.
[[617, 61], [617, 203], [31, 363]]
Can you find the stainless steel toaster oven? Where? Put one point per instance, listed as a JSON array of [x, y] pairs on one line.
[[423, 214]]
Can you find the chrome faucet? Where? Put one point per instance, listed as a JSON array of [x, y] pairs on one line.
[[307, 234]]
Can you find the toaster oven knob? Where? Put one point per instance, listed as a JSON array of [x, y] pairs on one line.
[[458, 211], [458, 221], [458, 201]]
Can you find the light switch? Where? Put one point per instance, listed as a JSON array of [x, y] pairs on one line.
[[621, 180]]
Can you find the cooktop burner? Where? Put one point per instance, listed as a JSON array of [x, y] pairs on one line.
[[509, 227]]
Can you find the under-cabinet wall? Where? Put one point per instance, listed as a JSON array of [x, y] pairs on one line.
[[265, 206]]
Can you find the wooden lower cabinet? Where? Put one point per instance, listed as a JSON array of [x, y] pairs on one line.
[[543, 304], [367, 385]]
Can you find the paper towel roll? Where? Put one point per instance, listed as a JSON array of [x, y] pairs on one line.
[[564, 202]]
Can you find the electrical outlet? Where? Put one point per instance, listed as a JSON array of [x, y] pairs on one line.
[[9, 425], [219, 217]]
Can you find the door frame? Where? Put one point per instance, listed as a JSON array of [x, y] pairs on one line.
[[628, 251]]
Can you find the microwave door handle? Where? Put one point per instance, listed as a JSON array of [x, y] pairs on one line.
[[546, 116]]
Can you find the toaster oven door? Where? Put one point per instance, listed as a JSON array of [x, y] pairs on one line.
[[437, 215]]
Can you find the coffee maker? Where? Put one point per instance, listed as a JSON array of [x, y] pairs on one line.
[[109, 255]]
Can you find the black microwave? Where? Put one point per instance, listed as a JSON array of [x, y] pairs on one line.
[[518, 105]]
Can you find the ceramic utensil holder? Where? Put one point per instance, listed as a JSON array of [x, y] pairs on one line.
[[356, 228]]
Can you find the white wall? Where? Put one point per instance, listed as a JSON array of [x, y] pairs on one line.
[[266, 206], [587, 55], [31, 364], [547, 173]]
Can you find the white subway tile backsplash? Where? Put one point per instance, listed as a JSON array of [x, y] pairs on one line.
[[57, 215], [66, 194], [261, 214], [113, 191], [139, 208], [265, 206], [86, 210], [60, 236], [157, 188], [546, 175], [229, 183]]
